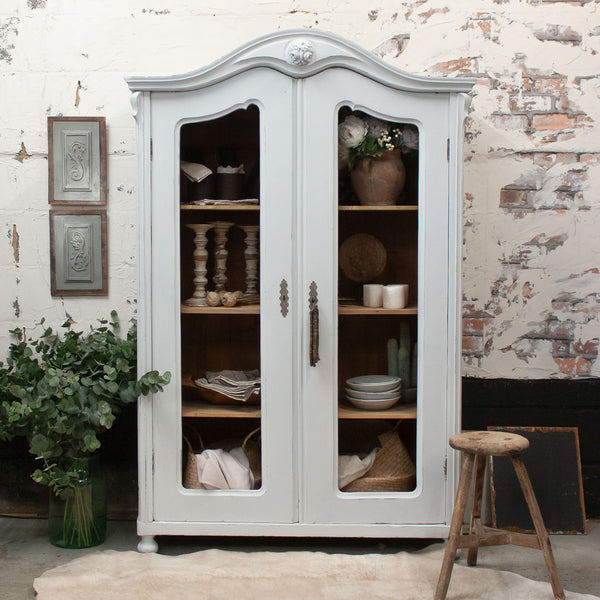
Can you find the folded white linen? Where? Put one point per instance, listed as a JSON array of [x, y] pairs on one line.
[[194, 171], [351, 467], [222, 470]]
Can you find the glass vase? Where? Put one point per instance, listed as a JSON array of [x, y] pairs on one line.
[[77, 515]]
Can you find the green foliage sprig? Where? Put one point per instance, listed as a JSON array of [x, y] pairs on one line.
[[61, 391]]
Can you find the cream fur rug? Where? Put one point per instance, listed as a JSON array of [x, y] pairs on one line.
[[224, 575]]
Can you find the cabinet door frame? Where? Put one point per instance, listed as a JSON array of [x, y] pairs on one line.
[[321, 500], [170, 501]]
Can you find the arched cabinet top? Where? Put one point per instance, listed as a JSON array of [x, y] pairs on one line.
[[300, 53]]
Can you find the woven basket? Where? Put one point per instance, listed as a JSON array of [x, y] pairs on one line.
[[251, 448], [393, 469]]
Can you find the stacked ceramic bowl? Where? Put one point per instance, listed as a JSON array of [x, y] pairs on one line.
[[373, 392]]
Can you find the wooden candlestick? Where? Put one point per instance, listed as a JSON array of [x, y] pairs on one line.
[[251, 257], [220, 278], [200, 258]]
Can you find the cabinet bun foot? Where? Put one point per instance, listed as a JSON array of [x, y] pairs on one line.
[[147, 544]]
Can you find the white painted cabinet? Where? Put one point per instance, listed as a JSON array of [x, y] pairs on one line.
[[274, 107]]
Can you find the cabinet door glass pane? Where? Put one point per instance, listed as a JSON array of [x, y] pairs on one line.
[[377, 295], [220, 314]]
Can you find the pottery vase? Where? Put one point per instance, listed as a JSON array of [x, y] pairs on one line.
[[379, 180], [77, 514]]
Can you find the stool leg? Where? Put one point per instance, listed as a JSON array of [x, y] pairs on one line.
[[480, 463], [455, 526], [540, 528]]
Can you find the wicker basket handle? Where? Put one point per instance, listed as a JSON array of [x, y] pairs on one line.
[[189, 445], [247, 438]]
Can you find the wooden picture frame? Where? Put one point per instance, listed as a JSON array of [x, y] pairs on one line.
[[553, 463], [78, 252], [77, 160]]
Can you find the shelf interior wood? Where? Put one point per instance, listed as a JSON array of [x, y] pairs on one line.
[[406, 208], [400, 411], [224, 207], [356, 309], [249, 309], [198, 409]]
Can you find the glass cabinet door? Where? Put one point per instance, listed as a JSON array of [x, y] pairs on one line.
[[374, 405], [218, 301]]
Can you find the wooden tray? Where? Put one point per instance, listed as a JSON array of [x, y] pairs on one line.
[[215, 397]]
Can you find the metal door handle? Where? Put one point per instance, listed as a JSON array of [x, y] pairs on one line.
[[313, 311]]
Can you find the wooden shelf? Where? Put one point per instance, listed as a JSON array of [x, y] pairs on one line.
[[254, 309], [356, 309], [249, 309], [228, 207], [403, 208], [400, 411], [204, 410]]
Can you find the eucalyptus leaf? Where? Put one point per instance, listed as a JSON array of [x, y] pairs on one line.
[[61, 391]]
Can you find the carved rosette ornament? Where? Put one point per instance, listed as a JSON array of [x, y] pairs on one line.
[[300, 52]]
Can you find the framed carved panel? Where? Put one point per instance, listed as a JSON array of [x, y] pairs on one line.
[[78, 252], [77, 160]]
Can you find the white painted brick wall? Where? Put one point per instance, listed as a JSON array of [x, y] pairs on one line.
[[532, 146]]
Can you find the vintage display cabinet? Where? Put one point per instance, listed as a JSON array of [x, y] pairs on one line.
[[242, 186]]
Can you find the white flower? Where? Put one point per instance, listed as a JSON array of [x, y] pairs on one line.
[[352, 131], [410, 137], [376, 127]]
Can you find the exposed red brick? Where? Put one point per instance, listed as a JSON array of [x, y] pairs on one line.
[[568, 199], [565, 365], [553, 121], [559, 33], [530, 103], [474, 326], [516, 198], [527, 290], [563, 104], [561, 349], [433, 11], [459, 65], [590, 159], [520, 122], [588, 348], [593, 271], [553, 329], [572, 180], [583, 366], [549, 159], [472, 344], [550, 85], [584, 121]]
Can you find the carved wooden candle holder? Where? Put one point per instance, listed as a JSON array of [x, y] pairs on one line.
[[251, 258], [220, 278], [200, 257]]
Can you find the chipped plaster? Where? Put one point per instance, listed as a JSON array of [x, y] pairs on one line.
[[531, 261]]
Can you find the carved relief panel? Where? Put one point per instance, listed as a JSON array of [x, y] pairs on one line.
[[77, 160], [77, 260]]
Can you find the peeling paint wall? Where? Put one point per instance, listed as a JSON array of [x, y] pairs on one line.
[[531, 250]]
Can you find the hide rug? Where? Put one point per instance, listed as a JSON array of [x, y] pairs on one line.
[[297, 575]]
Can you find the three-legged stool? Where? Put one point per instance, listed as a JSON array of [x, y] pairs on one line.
[[476, 447]]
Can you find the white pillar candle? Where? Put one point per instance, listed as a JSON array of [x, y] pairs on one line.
[[372, 295], [395, 296]]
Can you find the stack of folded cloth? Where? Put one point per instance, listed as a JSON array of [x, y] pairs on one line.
[[237, 385]]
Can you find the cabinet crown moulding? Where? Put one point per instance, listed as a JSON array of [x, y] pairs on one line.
[[300, 53]]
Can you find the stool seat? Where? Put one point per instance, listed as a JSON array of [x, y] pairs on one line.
[[489, 443]]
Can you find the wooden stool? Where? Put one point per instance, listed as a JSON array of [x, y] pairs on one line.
[[476, 447]]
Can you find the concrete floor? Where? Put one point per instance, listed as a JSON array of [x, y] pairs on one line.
[[25, 553]]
